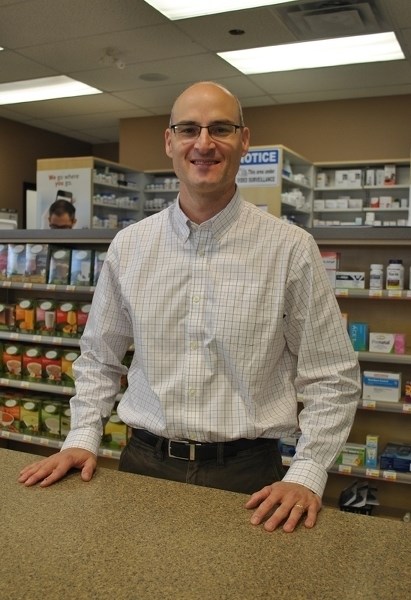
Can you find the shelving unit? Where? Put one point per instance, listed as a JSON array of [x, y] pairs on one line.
[[385, 311], [160, 190], [279, 181], [106, 195], [343, 200]]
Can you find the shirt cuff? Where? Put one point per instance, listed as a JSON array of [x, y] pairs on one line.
[[85, 438], [307, 473]]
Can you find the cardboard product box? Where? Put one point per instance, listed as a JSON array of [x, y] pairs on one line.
[[331, 260], [287, 445], [45, 317], [30, 415], [66, 319], [370, 177], [99, 258], [32, 363], [341, 178], [358, 333], [7, 317], [371, 451], [37, 256], [81, 270], [355, 177], [59, 268], [396, 457], [83, 309], [16, 262], [26, 315], [50, 415], [65, 420], [350, 279], [352, 455], [387, 343], [381, 386], [115, 433], [322, 180], [3, 261], [12, 360], [10, 412], [52, 365], [69, 355], [390, 175]]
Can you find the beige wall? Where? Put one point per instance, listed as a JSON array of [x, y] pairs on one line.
[[362, 129]]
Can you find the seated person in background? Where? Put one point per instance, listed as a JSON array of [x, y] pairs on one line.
[[62, 215]]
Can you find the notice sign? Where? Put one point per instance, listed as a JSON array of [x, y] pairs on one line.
[[259, 168]]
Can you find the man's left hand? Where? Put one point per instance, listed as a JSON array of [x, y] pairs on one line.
[[294, 502]]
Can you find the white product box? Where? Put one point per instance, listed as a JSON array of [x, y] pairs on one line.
[[382, 386], [382, 342], [331, 260], [341, 179], [318, 205], [390, 175], [355, 203], [355, 177], [350, 279], [322, 180], [342, 203], [386, 201], [330, 203], [370, 177], [379, 177]]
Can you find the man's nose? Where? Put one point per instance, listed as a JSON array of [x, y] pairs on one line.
[[204, 140]]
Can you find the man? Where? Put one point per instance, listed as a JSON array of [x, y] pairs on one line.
[[62, 215], [232, 317]]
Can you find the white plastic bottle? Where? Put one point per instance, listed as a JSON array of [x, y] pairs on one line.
[[395, 274], [376, 277]]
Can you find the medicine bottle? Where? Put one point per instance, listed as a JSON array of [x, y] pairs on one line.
[[376, 277], [395, 274]]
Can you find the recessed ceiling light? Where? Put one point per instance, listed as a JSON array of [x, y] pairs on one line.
[[185, 9], [377, 47], [45, 88]]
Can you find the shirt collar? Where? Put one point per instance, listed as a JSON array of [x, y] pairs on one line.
[[218, 224]]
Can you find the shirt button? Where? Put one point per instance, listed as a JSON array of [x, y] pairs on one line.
[[196, 299], [194, 345], [192, 392]]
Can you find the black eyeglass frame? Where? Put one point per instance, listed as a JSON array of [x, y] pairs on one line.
[[200, 127]]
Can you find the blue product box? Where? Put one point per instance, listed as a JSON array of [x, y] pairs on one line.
[[396, 457], [358, 333]]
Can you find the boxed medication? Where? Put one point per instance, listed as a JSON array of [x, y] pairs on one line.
[[371, 451], [381, 386], [16, 262], [36, 263], [352, 455], [3, 261], [331, 260], [358, 333], [387, 343], [81, 267], [350, 279], [396, 457]]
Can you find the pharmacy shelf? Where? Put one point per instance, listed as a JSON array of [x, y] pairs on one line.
[[46, 287], [363, 472], [21, 384], [40, 339], [367, 294], [50, 443], [379, 406], [382, 357]]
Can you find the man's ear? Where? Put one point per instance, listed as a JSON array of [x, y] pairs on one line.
[[167, 139]]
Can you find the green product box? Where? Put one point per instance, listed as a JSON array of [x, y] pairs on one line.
[[30, 416]]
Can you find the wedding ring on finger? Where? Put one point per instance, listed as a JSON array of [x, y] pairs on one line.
[[300, 506]]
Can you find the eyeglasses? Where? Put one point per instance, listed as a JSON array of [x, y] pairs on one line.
[[217, 131]]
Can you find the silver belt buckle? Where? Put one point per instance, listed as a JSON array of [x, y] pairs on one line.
[[192, 450]]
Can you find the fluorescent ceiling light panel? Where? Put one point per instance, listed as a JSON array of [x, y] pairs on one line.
[[46, 88], [185, 9], [376, 47]]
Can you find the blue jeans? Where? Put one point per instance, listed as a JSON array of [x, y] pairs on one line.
[[246, 472]]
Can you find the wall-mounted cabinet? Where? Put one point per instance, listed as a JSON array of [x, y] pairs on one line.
[[373, 193], [106, 195]]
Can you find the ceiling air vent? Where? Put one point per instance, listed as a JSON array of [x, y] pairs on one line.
[[331, 19]]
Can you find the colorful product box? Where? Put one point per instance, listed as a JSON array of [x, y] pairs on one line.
[[67, 359], [396, 457], [26, 315], [371, 451], [83, 310], [32, 363], [66, 319], [12, 360], [115, 433], [52, 365], [50, 418], [59, 268], [65, 420], [352, 455], [10, 412], [30, 416], [99, 258], [81, 271], [381, 386], [16, 262], [350, 279], [358, 333], [45, 317], [387, 343], [36, 263], [7, 317]]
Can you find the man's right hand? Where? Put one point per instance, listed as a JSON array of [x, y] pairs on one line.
[[54, 467]]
